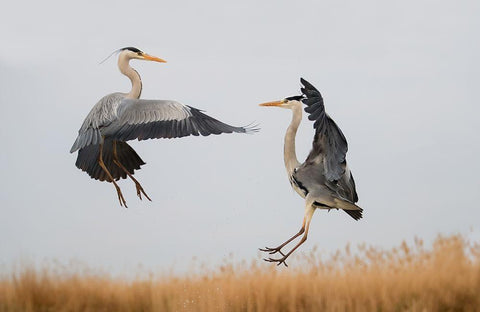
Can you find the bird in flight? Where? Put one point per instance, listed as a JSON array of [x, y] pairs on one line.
[[103, 152], [323, 180]]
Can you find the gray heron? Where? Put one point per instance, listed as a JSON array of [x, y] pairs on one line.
[[119, 117], [323, 180]]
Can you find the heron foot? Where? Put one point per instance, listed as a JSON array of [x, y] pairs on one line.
[[272, 251], [121, 199], [140, 191], [279, 261]]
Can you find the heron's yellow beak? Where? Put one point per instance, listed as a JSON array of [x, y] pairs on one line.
[[274, 103], [152, 58]]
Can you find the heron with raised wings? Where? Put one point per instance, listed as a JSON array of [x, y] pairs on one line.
[[323, 180], [119, 117]]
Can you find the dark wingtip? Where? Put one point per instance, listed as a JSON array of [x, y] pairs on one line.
[[309, 91], [307, 85], [252, 128]]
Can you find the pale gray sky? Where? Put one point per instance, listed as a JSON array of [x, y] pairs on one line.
[[399, 78]]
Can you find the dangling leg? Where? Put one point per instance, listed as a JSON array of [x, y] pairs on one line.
[[278, 249], [102, 164], [309, 210], [137, 184]]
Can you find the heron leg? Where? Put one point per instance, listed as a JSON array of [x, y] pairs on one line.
[[278, 249], [102, 164], [139, 187], [305, 226]]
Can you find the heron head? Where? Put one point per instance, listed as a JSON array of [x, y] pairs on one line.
[[134, 53], [288, 102]]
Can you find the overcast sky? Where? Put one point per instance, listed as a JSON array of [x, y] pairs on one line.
[[399, 78]]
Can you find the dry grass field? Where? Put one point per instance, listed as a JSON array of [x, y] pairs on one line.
[[445, 277]]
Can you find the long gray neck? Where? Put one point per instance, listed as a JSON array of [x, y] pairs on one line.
[[127, 70], [289, 153]]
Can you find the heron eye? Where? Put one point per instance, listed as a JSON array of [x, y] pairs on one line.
[[139, 53]]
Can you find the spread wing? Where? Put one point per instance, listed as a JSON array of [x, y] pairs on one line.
[[123, 119], [329, 142], [330, 147], [153, 119]]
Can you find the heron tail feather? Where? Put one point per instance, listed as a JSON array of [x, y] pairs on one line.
[[353, 210], [356, 214]]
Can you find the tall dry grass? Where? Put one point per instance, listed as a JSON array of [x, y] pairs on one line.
[[406, 278]]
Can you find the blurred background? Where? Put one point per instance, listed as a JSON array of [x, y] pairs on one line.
[[398, 78]]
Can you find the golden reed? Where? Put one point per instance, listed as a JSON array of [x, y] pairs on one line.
[[406, 278]]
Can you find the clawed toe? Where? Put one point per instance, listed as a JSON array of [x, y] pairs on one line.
[[121, 199], [272, 250], [140, 191], [279, 261], [139, 188]]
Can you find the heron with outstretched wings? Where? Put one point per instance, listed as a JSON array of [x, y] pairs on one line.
[[119, 117]]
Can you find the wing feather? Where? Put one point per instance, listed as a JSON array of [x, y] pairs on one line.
[[153, 119], [101, 115], [326, 163], [119, 118], [329, 141]]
